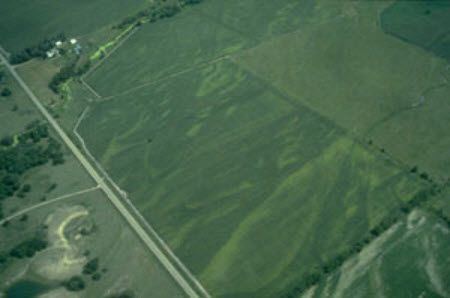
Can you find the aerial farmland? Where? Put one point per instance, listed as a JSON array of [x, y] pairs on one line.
[[239, 148]]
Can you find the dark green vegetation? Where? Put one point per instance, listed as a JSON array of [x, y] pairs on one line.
[[91, 266], [422, 23], [394, 216], [409, 260], [5, 91], [72, 70], [24, 23], [159, 9], [26, 288], [36, 51], [21, 137], [265, 146], [28, 248], [74, 284], [32, 148]]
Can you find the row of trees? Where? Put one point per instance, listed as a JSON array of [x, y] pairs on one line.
[[314, 277], [36, 51], [72, 70], [5, 91], [158, 10]]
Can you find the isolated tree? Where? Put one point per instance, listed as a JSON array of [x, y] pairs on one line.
[[7, 141], [26, 188], [424, 176], [91, 267], [6, 92], [74, 284]]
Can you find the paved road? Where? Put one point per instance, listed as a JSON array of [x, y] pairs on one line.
[[103, 186]]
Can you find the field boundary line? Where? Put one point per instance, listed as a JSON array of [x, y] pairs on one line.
[[124, 196], [228, 56], [110, 194], [168, 77], [51, 201], [90, 89], [290, 99], [102, 60]]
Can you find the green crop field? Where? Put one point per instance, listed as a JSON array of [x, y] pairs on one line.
[[195, 37], [373, 85], [276, 146], [42, 19], [231, 172], [428, 24], [413, 253]]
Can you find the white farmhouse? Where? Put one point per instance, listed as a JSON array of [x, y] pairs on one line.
[[52, 53]]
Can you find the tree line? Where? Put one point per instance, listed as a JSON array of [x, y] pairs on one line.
[[160, 9], [314, 277], [72, 70], [38, 50], [5, 91]]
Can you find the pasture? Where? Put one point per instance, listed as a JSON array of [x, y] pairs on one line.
[[249, 188], [38, 20], [37, 73], [124, 263], [66, 108], [15, 110]]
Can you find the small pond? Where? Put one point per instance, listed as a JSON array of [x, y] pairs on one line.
[[26, 288]]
